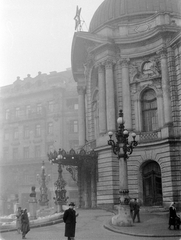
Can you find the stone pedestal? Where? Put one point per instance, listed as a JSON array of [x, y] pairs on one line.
[[33, 208], [123, 218]]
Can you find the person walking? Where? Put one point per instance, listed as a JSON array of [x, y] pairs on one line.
[[69, 219], [25, 227], [18, 220], [173, 218], [132, 206], [137, 210]]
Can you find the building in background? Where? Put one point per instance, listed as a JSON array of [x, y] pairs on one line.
[[130, 59], [37, 115]]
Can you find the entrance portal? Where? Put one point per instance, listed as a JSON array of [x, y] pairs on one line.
[[152, 184]]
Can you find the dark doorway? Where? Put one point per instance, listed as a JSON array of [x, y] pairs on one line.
[[152, 184]]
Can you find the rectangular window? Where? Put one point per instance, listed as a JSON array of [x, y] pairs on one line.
[[37, 151], [73, 126], [6, 153], [76, 106], [26, 152], [26, 132], [51, 106], [7, 114], [39, 108], [15, 133], [28, 111], [6, 135], [50, 128], [38, 130], [17, 112], [15, 153]]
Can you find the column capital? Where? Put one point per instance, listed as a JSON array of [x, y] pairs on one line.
[[162, 53], [81, 90], [100, 66], [109, 62], [124, 62]]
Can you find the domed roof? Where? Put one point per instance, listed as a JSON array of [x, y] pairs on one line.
[[111, 10]]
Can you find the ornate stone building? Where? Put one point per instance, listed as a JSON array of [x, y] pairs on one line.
[[38, 115], [130, 59]]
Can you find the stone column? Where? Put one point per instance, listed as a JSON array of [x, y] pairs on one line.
[[110, 101], [126, 93], [123, 179], [102, 99], [93, 187], [81, 114], [86, 190], [165, 86], [79, 183]]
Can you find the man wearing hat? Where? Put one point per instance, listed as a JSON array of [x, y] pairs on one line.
[[69, 219]]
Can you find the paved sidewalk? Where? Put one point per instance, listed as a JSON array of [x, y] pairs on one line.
[[152, 225]]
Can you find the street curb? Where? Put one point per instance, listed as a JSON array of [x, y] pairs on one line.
[[108, 225], [35, 225]]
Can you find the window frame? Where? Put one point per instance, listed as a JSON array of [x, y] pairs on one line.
[[149, 113]]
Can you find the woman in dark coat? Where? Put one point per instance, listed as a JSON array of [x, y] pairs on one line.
[[25, 228], [69, 219]]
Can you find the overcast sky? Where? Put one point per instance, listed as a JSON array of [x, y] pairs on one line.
[[36, 35]]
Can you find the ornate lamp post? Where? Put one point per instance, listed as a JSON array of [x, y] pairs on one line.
[[60, 192], [43, 179], [122, 148]]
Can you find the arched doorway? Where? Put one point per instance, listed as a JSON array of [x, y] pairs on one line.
[[152, 184]]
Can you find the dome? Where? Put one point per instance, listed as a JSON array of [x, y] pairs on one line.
[[111, 10]]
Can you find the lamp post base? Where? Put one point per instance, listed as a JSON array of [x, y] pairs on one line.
[[123, 218]]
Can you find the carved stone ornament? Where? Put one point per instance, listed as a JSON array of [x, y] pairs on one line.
[[146, 70], [109, 62], [124, 62]]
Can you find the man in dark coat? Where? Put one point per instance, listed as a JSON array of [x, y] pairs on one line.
[[69, 219], [136, 210], [132, 207], [174, 219]]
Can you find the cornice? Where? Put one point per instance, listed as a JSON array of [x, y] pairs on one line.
[[132, 39], [93, 37]]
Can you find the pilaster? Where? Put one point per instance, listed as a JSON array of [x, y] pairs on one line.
[[81, 115], [110, 101], [126, 93], [102, 99], [165, 86]]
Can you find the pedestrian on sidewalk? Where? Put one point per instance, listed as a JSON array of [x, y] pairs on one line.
[[18, 220], [25, 227], [174, 219], [132, 206], [69, 219], [136, 210]]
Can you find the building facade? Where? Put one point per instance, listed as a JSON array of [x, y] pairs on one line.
[[38, 115], [130, 59]]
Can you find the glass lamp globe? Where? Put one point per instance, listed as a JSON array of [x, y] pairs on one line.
[[125, 132], [110, 133], [120, 120], [133, 135]]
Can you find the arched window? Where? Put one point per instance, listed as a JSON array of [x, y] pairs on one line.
[[149, 111]]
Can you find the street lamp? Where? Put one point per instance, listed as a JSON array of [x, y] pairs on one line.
[[60, 192], [122, 140], [43, 180], [122, 148]]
